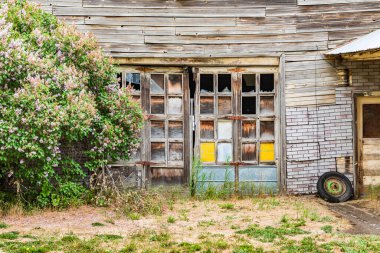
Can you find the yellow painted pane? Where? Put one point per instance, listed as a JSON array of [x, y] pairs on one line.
[[267, 152], [207, 152]]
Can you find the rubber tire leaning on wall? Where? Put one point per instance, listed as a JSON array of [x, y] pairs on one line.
[[334, 187]]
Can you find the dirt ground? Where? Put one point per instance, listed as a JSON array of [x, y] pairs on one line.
[[192, 218], [363, 215]]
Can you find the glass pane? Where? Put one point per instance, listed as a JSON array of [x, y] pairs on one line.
[[175, 152], [158, 151], [249, 152], [248, 83], [248, 105], [371, 121], [207, 105], [224, 152], [133, 81], [225, 129], [249, 129], [157, 105], [207, 129], [267, 106], [267, 83], [157, 83], [224, 83], [207, 150], [157, 129], [175, 129], [266, 152], [119, 81], [175, 84], [135, 156], [224, 105], [175, 105], [266, 130], [207, 83]]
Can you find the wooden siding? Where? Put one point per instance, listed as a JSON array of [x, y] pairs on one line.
[[299, 30]]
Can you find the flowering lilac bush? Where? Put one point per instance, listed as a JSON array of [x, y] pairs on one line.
[[54, 92]]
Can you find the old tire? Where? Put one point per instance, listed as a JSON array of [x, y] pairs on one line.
[[334, 187]]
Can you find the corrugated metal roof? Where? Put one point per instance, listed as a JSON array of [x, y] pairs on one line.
[[367, 42]]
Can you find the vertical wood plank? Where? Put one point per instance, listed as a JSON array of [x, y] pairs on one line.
[[186, 128]]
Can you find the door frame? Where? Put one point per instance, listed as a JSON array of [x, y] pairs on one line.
[[360, 100]]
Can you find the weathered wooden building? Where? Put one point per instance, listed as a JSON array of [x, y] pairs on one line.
[[246, 86]]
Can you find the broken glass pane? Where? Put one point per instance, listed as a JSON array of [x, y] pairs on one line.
[[157, 105], [175, 129], [175, 105], [158, 151], [207, 105], [224, 152], [133, 80], [248, 83], [157, 83], [157, 129], [175, 84], [267, 83], [224, 105], [249, 129], [224, 129], [248, 105], [266, 106], [207, 83], [207, 129], [249, 152], [224, 83], [175, 151], [267, 130]]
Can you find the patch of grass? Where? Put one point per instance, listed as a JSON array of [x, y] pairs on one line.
[[227, 206], [235, 227], [110, 221], [287, 222], [3, 225], [130, 248], [327, 229], [134, 216], [190, 247], [69, 238], [267, 203], [10, 235], [206, 223], [160, 237], [97, 224], [246, 248], [171, 219], [109, 237], [220, 244], [269, 234]]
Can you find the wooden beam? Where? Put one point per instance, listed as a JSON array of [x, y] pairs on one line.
[[233, 61]]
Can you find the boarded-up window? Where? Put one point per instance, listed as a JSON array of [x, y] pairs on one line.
[[266, 106], [248, 151], [249, 129], [371, 120], [175, 151], [224, 105], [175, 105], [158, 151], [266, 130], [157, 105], [157, 129], [207, 129], [207, 105], [266, 152], [175, 84], [175, 129]]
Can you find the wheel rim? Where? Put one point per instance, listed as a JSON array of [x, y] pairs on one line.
[[335, 186]]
